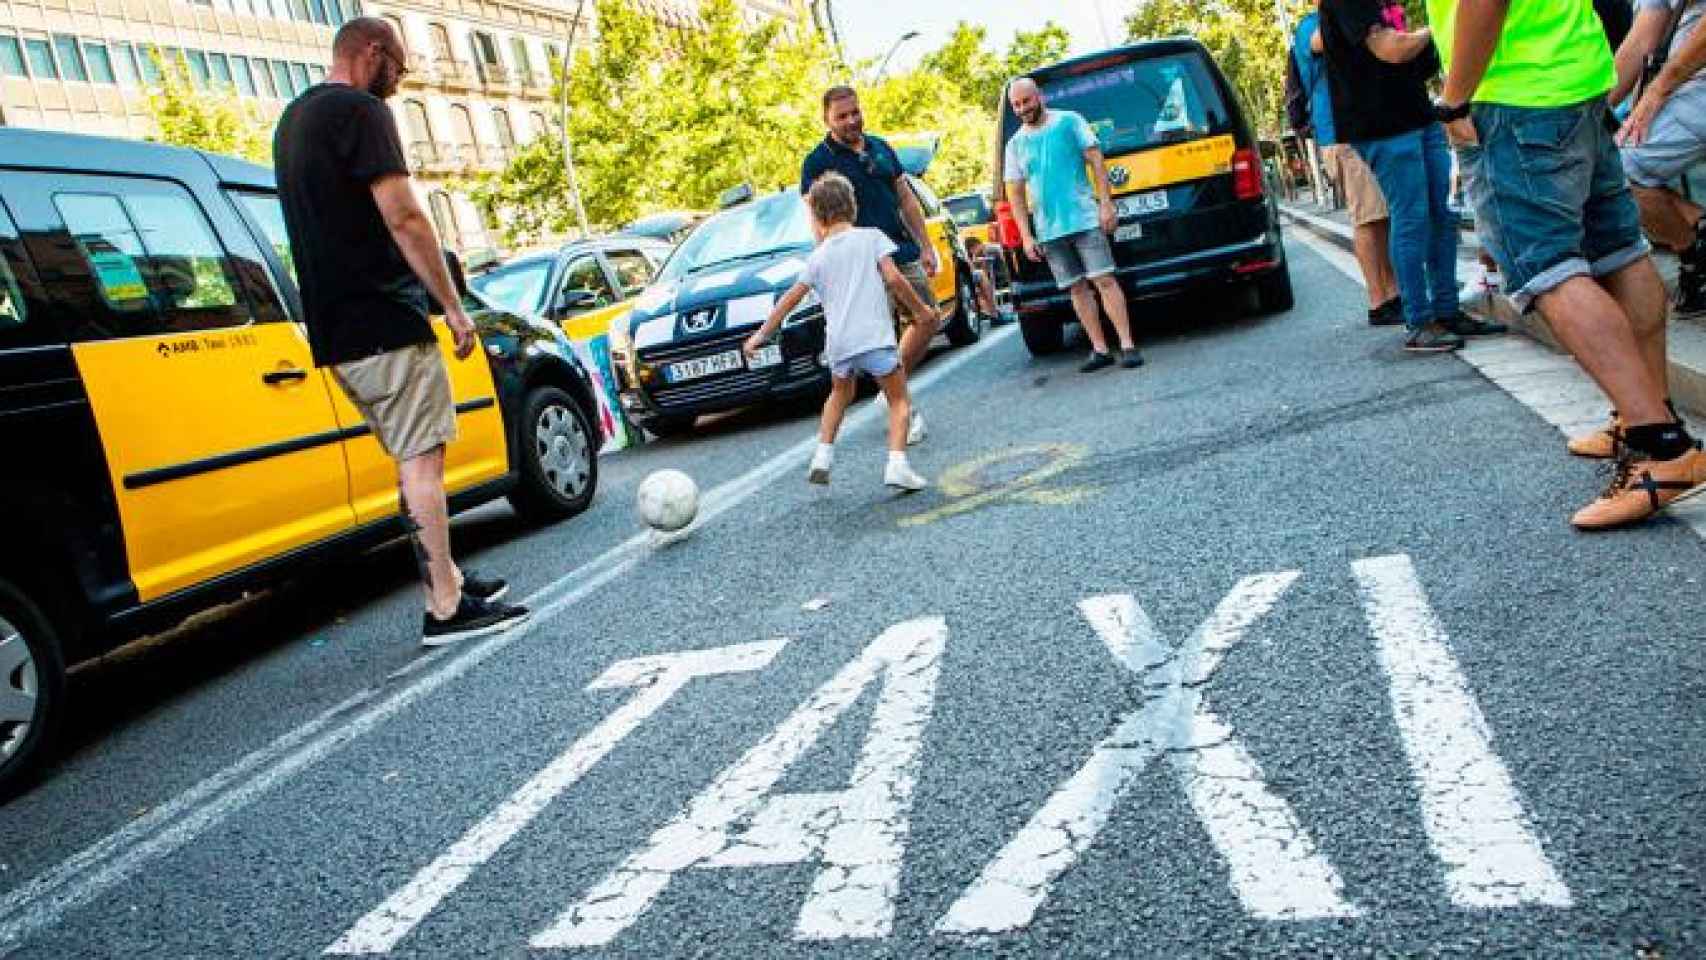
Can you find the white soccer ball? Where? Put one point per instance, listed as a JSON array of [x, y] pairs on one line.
[[668, 500]]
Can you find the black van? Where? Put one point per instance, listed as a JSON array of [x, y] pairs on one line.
[[1185, 173]]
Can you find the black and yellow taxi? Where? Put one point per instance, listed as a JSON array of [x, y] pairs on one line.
[[168, 442], [1185, 172]]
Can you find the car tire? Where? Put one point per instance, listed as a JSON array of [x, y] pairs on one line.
[[966, 327], [664, 427], [1043, 333], [32, 677], [558, 450], [1273, 291]]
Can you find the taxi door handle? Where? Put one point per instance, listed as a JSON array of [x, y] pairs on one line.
[[275, 377]]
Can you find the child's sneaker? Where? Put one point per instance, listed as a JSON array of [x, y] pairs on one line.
[[822, 460], [916, 431], [900, 475]]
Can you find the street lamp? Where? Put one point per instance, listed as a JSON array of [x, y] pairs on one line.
[[908, 35]]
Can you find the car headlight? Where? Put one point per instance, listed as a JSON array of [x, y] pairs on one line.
[[811, 308], [621, 343]]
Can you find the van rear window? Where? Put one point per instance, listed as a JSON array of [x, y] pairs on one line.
[[1144, 103]]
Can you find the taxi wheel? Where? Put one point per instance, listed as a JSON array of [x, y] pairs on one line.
[[559, 457], [1043, 333], [32, 686], [1273, 291], [966, 327]]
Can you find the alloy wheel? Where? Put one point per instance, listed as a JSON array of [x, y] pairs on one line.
[[19, 690], [564, 451]]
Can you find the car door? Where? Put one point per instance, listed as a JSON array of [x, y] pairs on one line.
[[939, 227], [480, 452], [220, 438]]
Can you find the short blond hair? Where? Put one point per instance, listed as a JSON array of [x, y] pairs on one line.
[[832, 200]]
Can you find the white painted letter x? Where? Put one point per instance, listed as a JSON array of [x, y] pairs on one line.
[[1275, 869]]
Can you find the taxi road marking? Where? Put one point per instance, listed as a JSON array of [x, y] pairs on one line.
[[961, 483]]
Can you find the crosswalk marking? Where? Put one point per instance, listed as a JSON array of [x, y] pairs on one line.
[[1470, 808], [660, 677], [1275, 869], [857, 835]]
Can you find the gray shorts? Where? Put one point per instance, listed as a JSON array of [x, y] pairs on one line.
[[1079, 256], [1675, 141], [878, 363]]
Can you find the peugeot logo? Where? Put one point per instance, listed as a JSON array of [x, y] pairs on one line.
[[698, 322], [1118, 176]]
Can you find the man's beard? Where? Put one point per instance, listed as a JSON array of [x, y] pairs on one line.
[[1032, 115]]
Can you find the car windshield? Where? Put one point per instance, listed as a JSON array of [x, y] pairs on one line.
[[1144, 103], [518, 287], [969, 211], [776, 223]]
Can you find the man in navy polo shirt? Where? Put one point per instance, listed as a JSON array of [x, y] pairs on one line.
[[885, 203]]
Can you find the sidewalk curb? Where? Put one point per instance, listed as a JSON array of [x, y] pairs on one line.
[[1687, 340]]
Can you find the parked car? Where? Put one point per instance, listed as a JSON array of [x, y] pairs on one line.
[[677, 352], [671, 226], [1194, 208], [568, 283], [171, 443], [972, 213]]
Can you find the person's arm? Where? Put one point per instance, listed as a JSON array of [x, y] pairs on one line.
[[902, 290], [1397, 47], [912, 214], [1315, 44], [415, 237], [778, 313], [1105, 211], [1684, 63], [1480, 23], [1644, 37]]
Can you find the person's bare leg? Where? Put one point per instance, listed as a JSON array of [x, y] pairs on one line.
[[1668, 219], [1639, 291], [900, 408], [1089, 315], [422, 482], [1383, 257], [834, 409], [1594, 329], [1113, 301], [1369, 243], [915, 339]]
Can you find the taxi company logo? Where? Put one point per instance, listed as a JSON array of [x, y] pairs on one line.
[[698, 322], [1119, 176]]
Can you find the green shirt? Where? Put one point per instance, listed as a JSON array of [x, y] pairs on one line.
[[1553, 53]]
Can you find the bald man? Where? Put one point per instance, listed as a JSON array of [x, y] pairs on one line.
[[366, 257], [1073, 216]]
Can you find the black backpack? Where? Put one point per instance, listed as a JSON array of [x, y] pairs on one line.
[[1297, 97]]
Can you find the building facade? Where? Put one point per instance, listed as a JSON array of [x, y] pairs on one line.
[[479, 83]]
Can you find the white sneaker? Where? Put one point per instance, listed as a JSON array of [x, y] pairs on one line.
[[822, 460], [916, 431], [900, 475]]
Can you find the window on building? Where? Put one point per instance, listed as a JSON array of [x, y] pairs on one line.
[[518, 55], [281, 79], [198, 68], [485, 52], [462, 124], [396, 23], [299, 10], [220, 67], [70, 58], [124, 62], [317, 73], [440, 41], [264, 78], [12, 57], [242, 77], [150, 59], [317, 10], [540, 126], [41, 59], [415, 115], [299, 73], [506, 132], [444, 218], [100, 63]]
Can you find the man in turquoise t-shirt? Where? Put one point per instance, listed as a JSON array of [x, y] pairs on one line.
[[1524, 103], [1073, 217]]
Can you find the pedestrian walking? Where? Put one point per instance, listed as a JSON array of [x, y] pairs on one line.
[[886, 203], [1363, 200], [1378, 77], [366, 257], [1073, 212], [854, 274], [1665, 133], [1568, 241]]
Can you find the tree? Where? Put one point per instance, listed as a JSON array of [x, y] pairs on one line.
[[214, 119], [982, 74], [1244, 38]]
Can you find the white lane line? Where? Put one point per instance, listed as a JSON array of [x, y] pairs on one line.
[[1474, 819], [661, 678], [44, 900], [858, 834], [1275, 869]]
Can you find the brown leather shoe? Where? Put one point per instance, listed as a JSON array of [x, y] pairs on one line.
[[1602, 443], [1641, 488]]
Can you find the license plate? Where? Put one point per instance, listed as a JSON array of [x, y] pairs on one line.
[[765, 357], [1154, 201], [1130, 231], [703, 366]]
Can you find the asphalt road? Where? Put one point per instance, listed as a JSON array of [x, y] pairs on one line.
[[1280, 646]]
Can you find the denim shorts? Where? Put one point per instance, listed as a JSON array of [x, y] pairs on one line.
[[1675, 142], [878, 363], [1551, 201], [1079, 256]]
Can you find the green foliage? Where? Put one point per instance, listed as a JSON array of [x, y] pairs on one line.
[[922, 102], [980, 72], [214, 119], [1244, 37]]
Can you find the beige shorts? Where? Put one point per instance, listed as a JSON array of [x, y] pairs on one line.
[[404, 395], [915, 275], [1362, 192]]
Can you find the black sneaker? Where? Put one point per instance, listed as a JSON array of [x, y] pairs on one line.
[[1388, 314], [1464, 325], [1690, 300], [482, 588], [1131, 359], [1432, 338], [473, 618], [1097, 361]]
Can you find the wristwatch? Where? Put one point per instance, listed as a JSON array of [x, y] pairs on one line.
[[1446, 113]]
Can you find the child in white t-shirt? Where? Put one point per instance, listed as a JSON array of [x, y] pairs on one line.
[[852, 272]]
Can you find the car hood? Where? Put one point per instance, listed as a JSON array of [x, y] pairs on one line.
[[714, 301]]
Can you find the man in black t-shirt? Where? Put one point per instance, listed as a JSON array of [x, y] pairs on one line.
[[1377, 76], [366, 257]]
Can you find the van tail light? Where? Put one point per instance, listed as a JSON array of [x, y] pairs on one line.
[[1006, 226], [1247, 174]]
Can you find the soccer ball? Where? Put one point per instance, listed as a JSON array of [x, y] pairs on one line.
[[668, 500]]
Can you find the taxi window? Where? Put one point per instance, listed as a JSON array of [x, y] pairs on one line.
[[1144, 103], [586, 276], [516, 287], [633, 271], [12, 307], [153, 260], [268, 214]]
